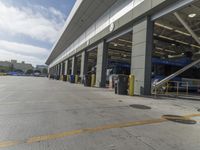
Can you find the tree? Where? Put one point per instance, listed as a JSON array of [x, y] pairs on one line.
[[37, 71], [44, 71], [30, 71]]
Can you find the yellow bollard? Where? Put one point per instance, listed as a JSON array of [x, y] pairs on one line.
[[61, 77], [67, 77], [76, 79], [131, 85], [93, 80]]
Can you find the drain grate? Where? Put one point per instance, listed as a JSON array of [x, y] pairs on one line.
[[198, 110], [138, 106], [179, 119]]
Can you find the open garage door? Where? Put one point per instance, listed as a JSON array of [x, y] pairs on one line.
[[119, 57], [176, 54]]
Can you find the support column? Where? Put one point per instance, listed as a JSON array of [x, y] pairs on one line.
[[61, 68], [56, 70], [84, 64], [141, 56], [74, 66], [66, 68], [101, 65]]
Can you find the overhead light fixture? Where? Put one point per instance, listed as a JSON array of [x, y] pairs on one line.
[[122, 40], [181, 32], [170, 51], [167, 50], [124, 56], [192, 15], [169, 28], [115, 45], [163, 26], [164, 37], [161, 53], [182, 42], [195, 46]]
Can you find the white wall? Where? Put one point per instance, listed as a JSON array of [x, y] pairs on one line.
[[119, 9]]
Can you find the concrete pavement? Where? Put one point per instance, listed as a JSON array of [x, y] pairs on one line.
[[42, 114]]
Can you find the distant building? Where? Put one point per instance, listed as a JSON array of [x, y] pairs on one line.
[[5, 64], [42, 68], [13, 64]]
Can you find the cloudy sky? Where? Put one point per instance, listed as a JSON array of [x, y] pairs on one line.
[[29, 28]]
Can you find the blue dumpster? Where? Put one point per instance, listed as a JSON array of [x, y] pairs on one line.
[[72, 79]]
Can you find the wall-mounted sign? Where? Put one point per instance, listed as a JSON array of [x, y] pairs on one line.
[[88, 42], [112, 27]]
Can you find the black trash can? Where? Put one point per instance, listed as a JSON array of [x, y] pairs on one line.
[[87, 80], [72, 79], [121, 86], [51, 76], [115, 86], [56, 77], [64, 78]]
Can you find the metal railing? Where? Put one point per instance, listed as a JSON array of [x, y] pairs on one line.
[[175, 88]]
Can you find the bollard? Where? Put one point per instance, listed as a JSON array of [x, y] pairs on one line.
[[93, 80], [76, 79], [131, 85], [68, 78], [61, 77]]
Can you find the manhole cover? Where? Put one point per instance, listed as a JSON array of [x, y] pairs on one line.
[[138, 106], [179, 119]]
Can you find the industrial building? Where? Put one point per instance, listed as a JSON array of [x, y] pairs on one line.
[[157, 41], [14, 65]]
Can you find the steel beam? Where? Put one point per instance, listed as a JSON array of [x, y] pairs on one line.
[[187, 27]]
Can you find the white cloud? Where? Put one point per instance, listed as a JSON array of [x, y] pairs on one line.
[[22, 52], [23, 48], [37, 22]]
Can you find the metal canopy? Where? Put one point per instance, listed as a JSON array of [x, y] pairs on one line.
[[85, 14]]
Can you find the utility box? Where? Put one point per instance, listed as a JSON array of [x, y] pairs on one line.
[[121, 85]]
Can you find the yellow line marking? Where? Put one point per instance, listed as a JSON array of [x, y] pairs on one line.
[[124, 125], [193, 115], [8, 144], [88, 130], [53, 136], [97, 129]]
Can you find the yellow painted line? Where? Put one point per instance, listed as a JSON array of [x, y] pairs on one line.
[[36, 139], [53, 136], [97, 129], [193, 115], [124, 125], [8, 144]]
